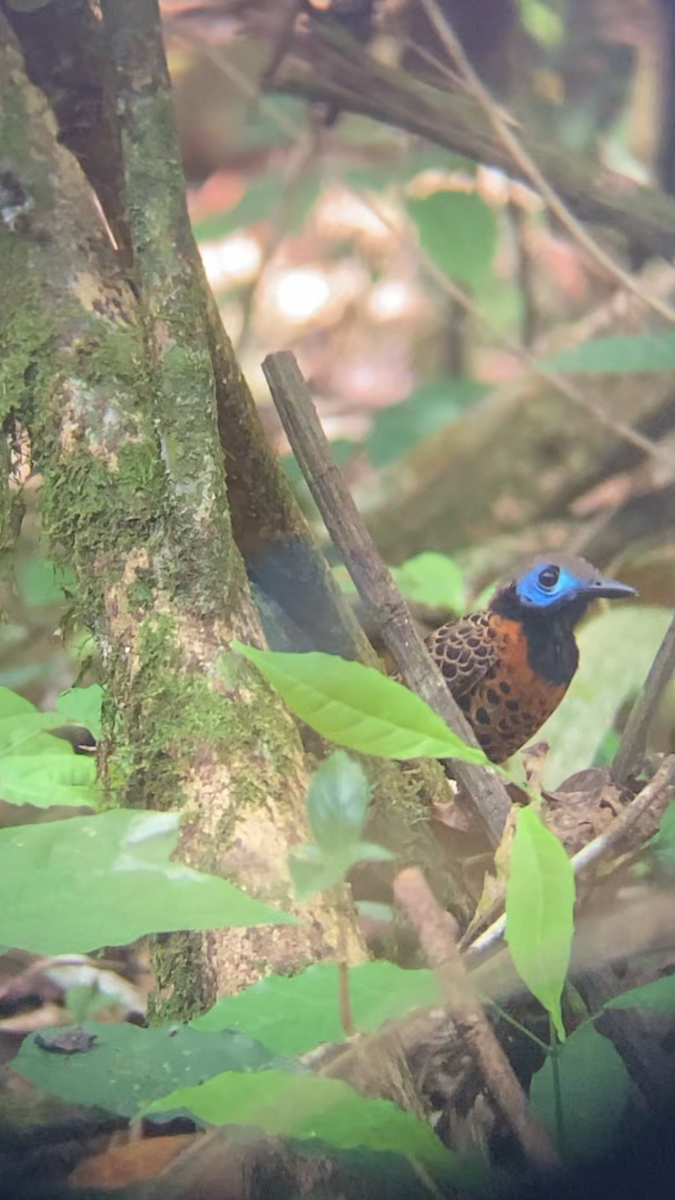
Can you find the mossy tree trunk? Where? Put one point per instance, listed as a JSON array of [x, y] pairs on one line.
[[108, 364]]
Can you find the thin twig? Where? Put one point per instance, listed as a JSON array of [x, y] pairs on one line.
[[630, 755], [333, 69], [386, 606], [618, 428], [657, 789], [527, 165], [437, 934]]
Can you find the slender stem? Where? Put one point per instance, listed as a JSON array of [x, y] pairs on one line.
[[629, 757], [554, 1054], [505, 1016], [388, 610], [437, 934]]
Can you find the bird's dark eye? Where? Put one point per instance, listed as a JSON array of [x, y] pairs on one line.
[[549, 577]]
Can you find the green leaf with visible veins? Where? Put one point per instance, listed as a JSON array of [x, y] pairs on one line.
[[292, 1015], [49, 779], [309, 1106], [76, 885], [358, 707], [540, 911], [127, 1067]]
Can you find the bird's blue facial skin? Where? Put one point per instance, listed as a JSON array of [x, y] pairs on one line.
[[532, 589]]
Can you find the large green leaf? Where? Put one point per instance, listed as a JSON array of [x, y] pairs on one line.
[[12, 705], [17, 732], [540, 911], [73, 886], [594, 1087], [459, 232], [309, 1106], [659, 996], [293, 1015], [616, 650], [358, 707], [49, 779], [617, 355], [127, 1067]]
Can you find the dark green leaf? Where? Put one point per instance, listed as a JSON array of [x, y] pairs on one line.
[[617, 355], [337, 802], [49, 779], [127, 1067], [459, 232], [358, 707], [594, 1085], [309, 1106], [293, 1015], [432, 579], [659, 996], [73, 886], [82, 706], [540, 911], [430, 407]]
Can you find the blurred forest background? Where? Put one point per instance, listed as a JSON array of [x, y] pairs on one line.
[[446, 318]]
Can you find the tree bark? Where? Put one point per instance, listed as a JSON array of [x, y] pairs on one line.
[[115, 384]]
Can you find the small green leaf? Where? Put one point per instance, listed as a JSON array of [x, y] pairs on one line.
[[259, 203], [659, 996], [39, 581], [309, 1106], [127, 1067], [617, 355], [434, 580], [314, 870], [74, 886], [542, 22], [337, 802], [49, 779], [594, 1086], [540, 911], [431, 407], [459, 232], [292, 1015], [358, 707], [616, 650], [82, 706]]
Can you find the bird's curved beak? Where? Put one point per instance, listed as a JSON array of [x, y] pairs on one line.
[[607, 589]]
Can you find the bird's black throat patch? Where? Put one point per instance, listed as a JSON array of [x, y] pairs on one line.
[[552, 651]]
